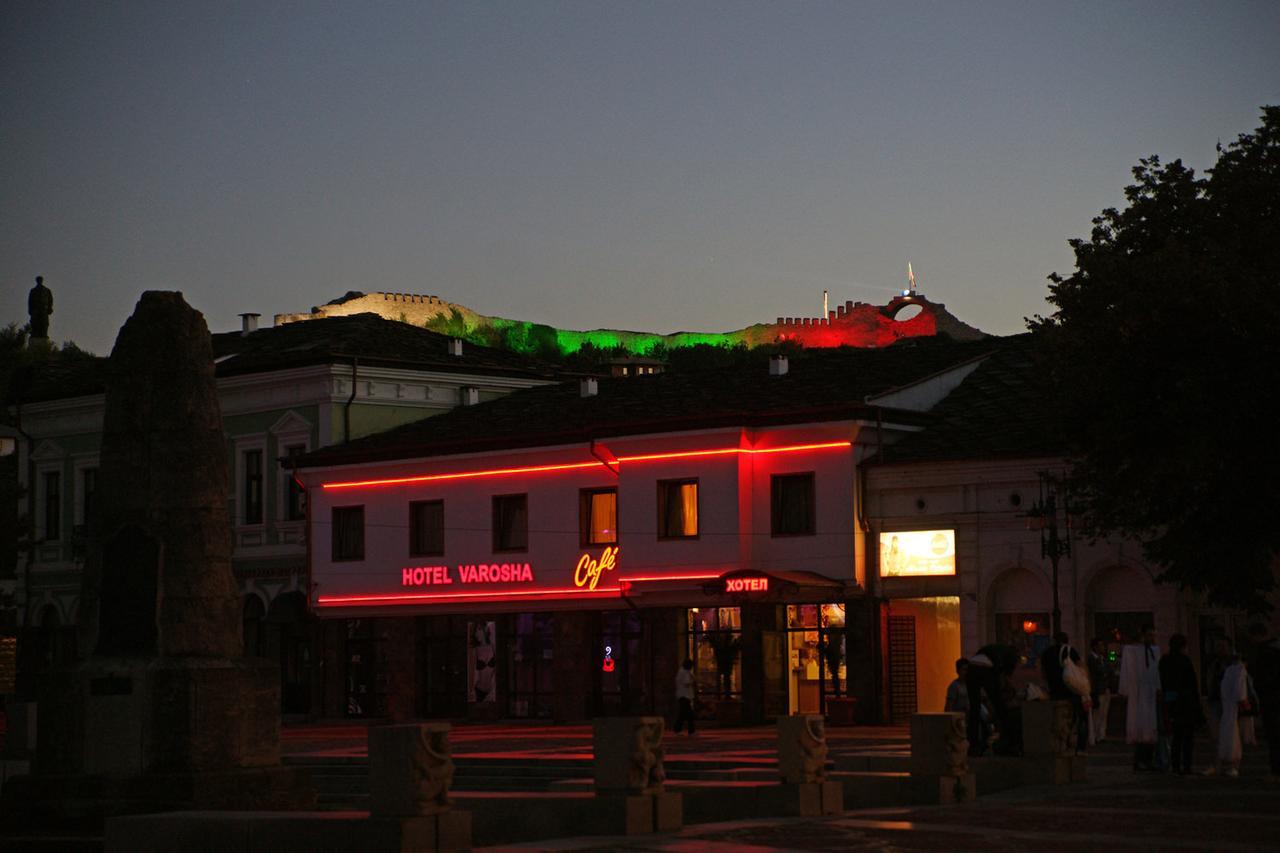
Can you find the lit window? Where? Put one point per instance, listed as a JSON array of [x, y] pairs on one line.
[[792, 497], [510, 522], [348, 533], [426, 528], [598, 516], [677, 509]]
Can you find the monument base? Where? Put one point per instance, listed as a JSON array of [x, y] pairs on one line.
[[271, 832], [86, 802]]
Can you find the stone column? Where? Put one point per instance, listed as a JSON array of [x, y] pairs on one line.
[[410, 773], [940, 759], [630, 777]]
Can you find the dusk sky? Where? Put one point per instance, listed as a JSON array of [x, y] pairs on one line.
[[653, 166]]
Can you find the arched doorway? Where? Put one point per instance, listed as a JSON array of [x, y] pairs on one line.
[[1119, 602]]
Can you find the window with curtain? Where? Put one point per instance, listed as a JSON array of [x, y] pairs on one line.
[[348, 533], [510, 522], [252, 487], [598, 516], [426, 528], [677, 509], [792, 504]]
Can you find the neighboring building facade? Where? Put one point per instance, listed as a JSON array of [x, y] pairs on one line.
[[284, 391]]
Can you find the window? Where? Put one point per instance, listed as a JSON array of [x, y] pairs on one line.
[[510, 522], [252, 487], [426, 528], [348, 533], [677, 509], [52, 506], [295, 499], [598, 516], [88, 489], [792, 504]]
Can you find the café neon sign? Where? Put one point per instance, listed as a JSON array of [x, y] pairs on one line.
[[589, 570]]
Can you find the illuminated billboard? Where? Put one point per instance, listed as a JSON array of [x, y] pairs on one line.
[[917, 553]]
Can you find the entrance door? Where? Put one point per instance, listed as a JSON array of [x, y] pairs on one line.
[[618, 665], [902, 668], [442, 640]]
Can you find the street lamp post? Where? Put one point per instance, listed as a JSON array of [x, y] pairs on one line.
[[1043, 516]]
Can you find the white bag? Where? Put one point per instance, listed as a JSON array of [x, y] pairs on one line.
[[1073, 674]]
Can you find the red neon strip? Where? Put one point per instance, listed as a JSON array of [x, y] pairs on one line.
[[409, 598], [535, 469], [669, 578]]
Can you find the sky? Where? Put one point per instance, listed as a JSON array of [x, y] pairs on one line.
[[655, 166]]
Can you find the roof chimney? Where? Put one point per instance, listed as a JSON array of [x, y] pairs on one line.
[[468, 396], [455, 347], [588, 387], [778, 365], [249, 323]]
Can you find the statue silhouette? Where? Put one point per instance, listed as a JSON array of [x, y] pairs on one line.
[[40, 306]]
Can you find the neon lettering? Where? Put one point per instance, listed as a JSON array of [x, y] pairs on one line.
[[425, 576], [746, 584], [495, 573], [589, 571]]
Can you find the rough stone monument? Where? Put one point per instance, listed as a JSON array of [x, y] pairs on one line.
[[802, 764], [940, 759], [165, 712], [629, 774]]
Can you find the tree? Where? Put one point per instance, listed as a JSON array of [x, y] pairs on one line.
[[1164, 358]]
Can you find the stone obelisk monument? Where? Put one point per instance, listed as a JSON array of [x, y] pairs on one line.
[[165, 711]]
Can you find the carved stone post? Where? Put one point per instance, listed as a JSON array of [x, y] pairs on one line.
[[940, 758], [410, 773], [629, 774], [802, 764], [1049, 743]]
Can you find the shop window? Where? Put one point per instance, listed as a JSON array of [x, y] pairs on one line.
[[295, 499], [714, 644], [510, 522], [598, 516], [348, 533], [1122, 627], [426, 528], [793, 499], [817, 655], [252, 487], [677, 509], [52, 506]]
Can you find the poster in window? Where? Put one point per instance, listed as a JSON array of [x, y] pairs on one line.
[[481, 662]]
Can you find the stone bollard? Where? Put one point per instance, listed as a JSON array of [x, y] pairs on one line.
[[940, 759], [410, 772], [630, 777], [1049, 743], [802, 764]]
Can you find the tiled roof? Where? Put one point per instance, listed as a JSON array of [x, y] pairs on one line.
[[1002, 410], [368, 337], [820, 385]]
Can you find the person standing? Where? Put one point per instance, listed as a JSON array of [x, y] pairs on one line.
[[1052, 662], [1100, 682], [684, 695], [1214, 671], [989, 671], [1234, 694], [1266, 680], [957, 691], [1181, 701], [1140, 685]]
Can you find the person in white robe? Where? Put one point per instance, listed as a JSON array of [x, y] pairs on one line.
[[1235, 689], [1140, 685]]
